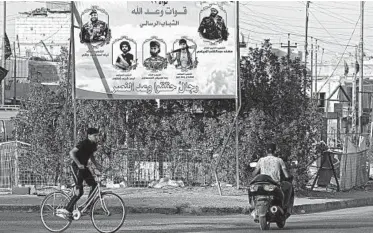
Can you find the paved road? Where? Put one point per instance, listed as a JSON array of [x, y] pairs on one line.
[[347, 220]]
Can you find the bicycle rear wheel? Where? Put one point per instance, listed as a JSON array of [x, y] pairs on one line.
[[52, 202], [108, 213]]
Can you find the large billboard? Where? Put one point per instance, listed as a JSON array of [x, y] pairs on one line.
[[155, 50]]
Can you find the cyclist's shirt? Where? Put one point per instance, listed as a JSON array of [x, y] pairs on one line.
[[85, 151], [271, 166]]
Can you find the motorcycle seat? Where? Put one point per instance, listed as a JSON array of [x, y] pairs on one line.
[[263, 179]]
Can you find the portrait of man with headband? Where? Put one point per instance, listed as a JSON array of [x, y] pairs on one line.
[[183, 56]]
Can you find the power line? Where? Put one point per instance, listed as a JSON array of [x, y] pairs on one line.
[[335, 6], [267, 22], [341, 57], [322, 10], [276, 16], [276, 32], [273, 7], [324, 27]]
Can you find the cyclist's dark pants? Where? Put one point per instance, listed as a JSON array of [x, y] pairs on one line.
[[81, 175]]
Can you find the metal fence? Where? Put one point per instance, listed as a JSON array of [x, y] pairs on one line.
[[18, 168], [8, 165], [351, 166], [136, 168]]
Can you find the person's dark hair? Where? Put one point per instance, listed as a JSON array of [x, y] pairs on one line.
[[155, 44], [91, 131], [125, 43], [93, 12], [213, 8], [271, 148], [182, 41]]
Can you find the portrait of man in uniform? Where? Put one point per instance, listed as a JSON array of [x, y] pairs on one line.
[[95, 30], [155, 62], [183, 57], [213, 27], [126, 60]]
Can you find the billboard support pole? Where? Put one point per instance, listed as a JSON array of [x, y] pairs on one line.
[[72, 68], [237, 96], [234, 124], [3, 56]]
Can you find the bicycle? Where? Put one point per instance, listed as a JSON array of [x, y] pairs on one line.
[[88, 207]]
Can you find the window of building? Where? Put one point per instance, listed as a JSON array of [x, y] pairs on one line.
[[321, 102]]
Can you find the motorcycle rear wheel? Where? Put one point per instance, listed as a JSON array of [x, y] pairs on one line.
[[281, 224], [264, 224]]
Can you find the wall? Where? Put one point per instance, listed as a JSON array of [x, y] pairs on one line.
[[53, 29], [44, 71]]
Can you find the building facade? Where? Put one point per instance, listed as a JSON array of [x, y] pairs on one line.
[[42, 32]]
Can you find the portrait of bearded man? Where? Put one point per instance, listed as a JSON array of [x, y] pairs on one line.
[[213, 27], [155, 62], [95, 30]]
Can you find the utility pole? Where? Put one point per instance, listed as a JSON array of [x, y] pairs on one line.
[[317, 49], [19, 48], [15, 73], [360, 130], [305, 47], [3, 57], [289, 47], [72, 62], [311, 66], [354, 123]]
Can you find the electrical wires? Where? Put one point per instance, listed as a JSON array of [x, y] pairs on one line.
[[341, 56]]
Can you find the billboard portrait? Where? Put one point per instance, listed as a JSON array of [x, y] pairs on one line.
[[95, 29], [155, 50], [212, 25], [183, 54], [154, 54], [124, 51]]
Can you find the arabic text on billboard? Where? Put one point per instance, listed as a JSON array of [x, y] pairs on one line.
[[159, 50]]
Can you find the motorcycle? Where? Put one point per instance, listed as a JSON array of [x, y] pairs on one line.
[[266, 197]]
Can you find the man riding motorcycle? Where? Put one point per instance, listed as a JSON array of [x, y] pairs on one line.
[[273, 166]]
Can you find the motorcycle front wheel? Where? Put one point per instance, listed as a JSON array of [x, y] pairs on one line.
[[264, 224]]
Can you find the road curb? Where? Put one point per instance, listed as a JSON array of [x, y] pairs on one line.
[[332, 205], [191, 210]]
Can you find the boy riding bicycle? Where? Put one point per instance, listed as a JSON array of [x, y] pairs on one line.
[[80, 155]]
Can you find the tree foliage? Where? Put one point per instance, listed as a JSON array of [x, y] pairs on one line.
[[274, 108], [43, 121]]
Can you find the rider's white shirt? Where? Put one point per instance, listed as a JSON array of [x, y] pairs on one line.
[[271, 166]]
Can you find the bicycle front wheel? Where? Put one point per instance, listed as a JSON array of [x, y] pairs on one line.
[[108, 213], [48, 211]]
